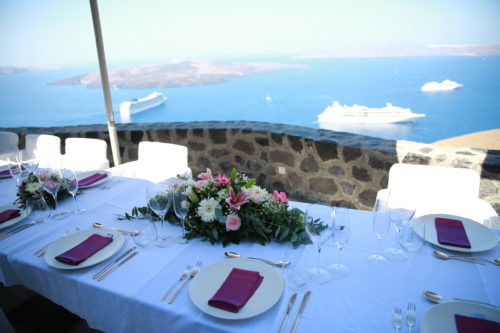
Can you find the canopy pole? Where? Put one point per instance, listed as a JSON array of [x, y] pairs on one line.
[[115, 149]]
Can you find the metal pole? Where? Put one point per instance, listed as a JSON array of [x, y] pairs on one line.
[[115, 149]]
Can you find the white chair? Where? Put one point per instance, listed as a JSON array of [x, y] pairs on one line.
[[440, 190], [9, 146], [46, 148], [85, 154], [157, 162]]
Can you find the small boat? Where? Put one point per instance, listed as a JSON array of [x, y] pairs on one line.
[[137, 105], [337, 113], [268, 98]]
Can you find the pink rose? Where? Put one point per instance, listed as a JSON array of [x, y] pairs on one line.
[[280, 197], [223, 180], [233, 222], [201, 183], [206, 175]]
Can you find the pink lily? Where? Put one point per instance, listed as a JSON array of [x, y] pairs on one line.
[[236, 201]]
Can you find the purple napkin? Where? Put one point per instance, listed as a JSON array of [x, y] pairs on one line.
[[9, 214], [91, 179], [84, 250], [4, 173], [236, 290], [451, 232], [466, 324]]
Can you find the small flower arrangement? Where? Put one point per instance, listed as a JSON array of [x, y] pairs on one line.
[[227, 209], [30, 187]]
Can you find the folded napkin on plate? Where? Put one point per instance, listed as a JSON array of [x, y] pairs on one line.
[[84, 250], [466, 324], [451, 232], [9, 214], [4, 173], [236, 290], [91, 179]]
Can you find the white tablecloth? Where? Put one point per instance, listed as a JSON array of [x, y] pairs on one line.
[[129, 299]]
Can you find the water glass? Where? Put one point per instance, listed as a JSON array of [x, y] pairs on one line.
[[380, 225], [341, 230], [324, 214], [180, 208], [40, 210], [412, 236], [145, 234], [159, 199], [296, 274], [51, 181]]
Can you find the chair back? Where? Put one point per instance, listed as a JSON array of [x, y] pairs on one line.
[[46, 148], [84, 154], [9, 142], [159, 161], [434, 181]]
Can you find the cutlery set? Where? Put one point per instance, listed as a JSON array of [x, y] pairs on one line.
[[299, 314], [186, 276], [411, 317], [99, 276]]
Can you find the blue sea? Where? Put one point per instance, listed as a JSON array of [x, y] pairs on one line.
[[298, 96]]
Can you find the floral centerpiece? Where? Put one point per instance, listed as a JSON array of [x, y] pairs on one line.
[[232, 208], [30, 187]]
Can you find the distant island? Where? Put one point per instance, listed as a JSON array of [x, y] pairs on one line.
[[8, 70], [176, 73], [396, 49]]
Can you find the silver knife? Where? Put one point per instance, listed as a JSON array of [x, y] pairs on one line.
[[15, 231], [302, 306], [113, 262], [115, 267], [290, 305]]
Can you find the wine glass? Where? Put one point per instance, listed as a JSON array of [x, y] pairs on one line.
[[40, 210], [71, 185], [412, 235], [159, 199], [51, 181], [341, 229], [315, 215], [381, 224], [180, 208], [401, 208], [15, 170], [145, 234]]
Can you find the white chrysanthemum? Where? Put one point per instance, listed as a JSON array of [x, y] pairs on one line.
[[33, 187], [222, 194], [206, 209]]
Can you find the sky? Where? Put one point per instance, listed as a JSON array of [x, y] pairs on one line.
[[60, 32]]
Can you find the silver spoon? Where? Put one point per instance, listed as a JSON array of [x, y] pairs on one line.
[[477, 260], [280, 263], [124, 232], [436, 298]]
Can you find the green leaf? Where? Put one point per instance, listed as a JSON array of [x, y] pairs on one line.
[[215, 234]]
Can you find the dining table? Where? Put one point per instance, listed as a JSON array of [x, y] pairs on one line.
[[129, 299]]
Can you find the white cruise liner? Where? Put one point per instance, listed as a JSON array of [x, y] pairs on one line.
[[137, 105], [441, 86], [337, 113]]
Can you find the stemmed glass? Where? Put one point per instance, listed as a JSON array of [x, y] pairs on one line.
[[318, 213], [381, 223], [15, 171], [39, 208], [159, 199], [51, 181], [401, 208], [412, 235], [180, 208], [341, 229], [71, 185]]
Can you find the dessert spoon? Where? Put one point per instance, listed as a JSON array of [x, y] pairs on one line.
[[280, 263], [476, 260], [436, 298]]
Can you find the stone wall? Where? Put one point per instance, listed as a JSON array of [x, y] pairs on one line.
[[309, 164]]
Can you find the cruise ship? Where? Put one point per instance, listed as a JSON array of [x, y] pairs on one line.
[[337, 113], [137, 105]]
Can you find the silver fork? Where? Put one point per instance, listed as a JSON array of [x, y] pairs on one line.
[[195, 271], [411, 313], [397, 319], [184, 276]]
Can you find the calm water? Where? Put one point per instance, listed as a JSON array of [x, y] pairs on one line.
[[298, 96]]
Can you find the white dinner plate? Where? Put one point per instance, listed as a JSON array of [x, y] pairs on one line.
[[86, 174], [64, 244], [209, 280], [441, 318], [22, 215], [481, 238]]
